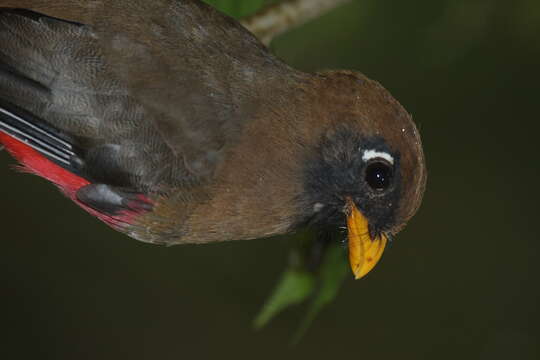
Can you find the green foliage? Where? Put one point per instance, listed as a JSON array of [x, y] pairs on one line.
[[329, 278], [294, 287], [315, 274]]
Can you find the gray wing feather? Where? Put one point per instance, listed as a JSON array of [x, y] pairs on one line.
[[146, 103]]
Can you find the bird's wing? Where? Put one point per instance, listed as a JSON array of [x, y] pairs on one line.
[[150, 93]]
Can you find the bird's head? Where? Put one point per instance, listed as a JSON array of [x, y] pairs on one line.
[[368, 170]]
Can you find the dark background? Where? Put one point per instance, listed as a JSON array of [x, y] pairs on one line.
[[461, 281]]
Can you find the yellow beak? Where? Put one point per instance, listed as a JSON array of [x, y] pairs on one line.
[[364, 252]]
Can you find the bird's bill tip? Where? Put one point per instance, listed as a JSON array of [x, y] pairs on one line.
[[364, 251]]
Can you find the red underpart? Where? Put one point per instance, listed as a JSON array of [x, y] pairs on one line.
[[35, 163]]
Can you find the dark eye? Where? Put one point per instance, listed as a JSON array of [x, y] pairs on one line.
[[378, 175]]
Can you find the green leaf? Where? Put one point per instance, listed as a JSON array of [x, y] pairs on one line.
[[294, 287], [333, 271], [316, 270]]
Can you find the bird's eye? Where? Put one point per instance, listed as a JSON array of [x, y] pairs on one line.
[[378, 175]]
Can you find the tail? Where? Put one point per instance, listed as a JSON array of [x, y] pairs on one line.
[[40, 149], [36, 135]]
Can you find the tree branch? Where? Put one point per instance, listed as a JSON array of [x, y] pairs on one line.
[[276, 19]]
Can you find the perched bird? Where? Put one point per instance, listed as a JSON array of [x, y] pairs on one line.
[[172, 123]]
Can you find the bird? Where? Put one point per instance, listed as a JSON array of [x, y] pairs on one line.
[[173, 124]]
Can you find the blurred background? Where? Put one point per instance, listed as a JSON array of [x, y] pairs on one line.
[[461, 281]]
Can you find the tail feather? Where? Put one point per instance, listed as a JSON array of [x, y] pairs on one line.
[[26, 128]]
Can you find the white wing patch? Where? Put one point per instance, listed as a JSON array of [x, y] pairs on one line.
[[374, 154]]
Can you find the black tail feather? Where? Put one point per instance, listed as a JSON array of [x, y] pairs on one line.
[[25, 127]]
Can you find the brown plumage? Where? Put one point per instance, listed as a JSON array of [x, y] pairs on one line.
[[180, 117]]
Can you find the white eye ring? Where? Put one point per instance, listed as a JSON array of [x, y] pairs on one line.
[[374, 154]]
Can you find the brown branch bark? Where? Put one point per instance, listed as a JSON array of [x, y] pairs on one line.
[[278, 18]]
